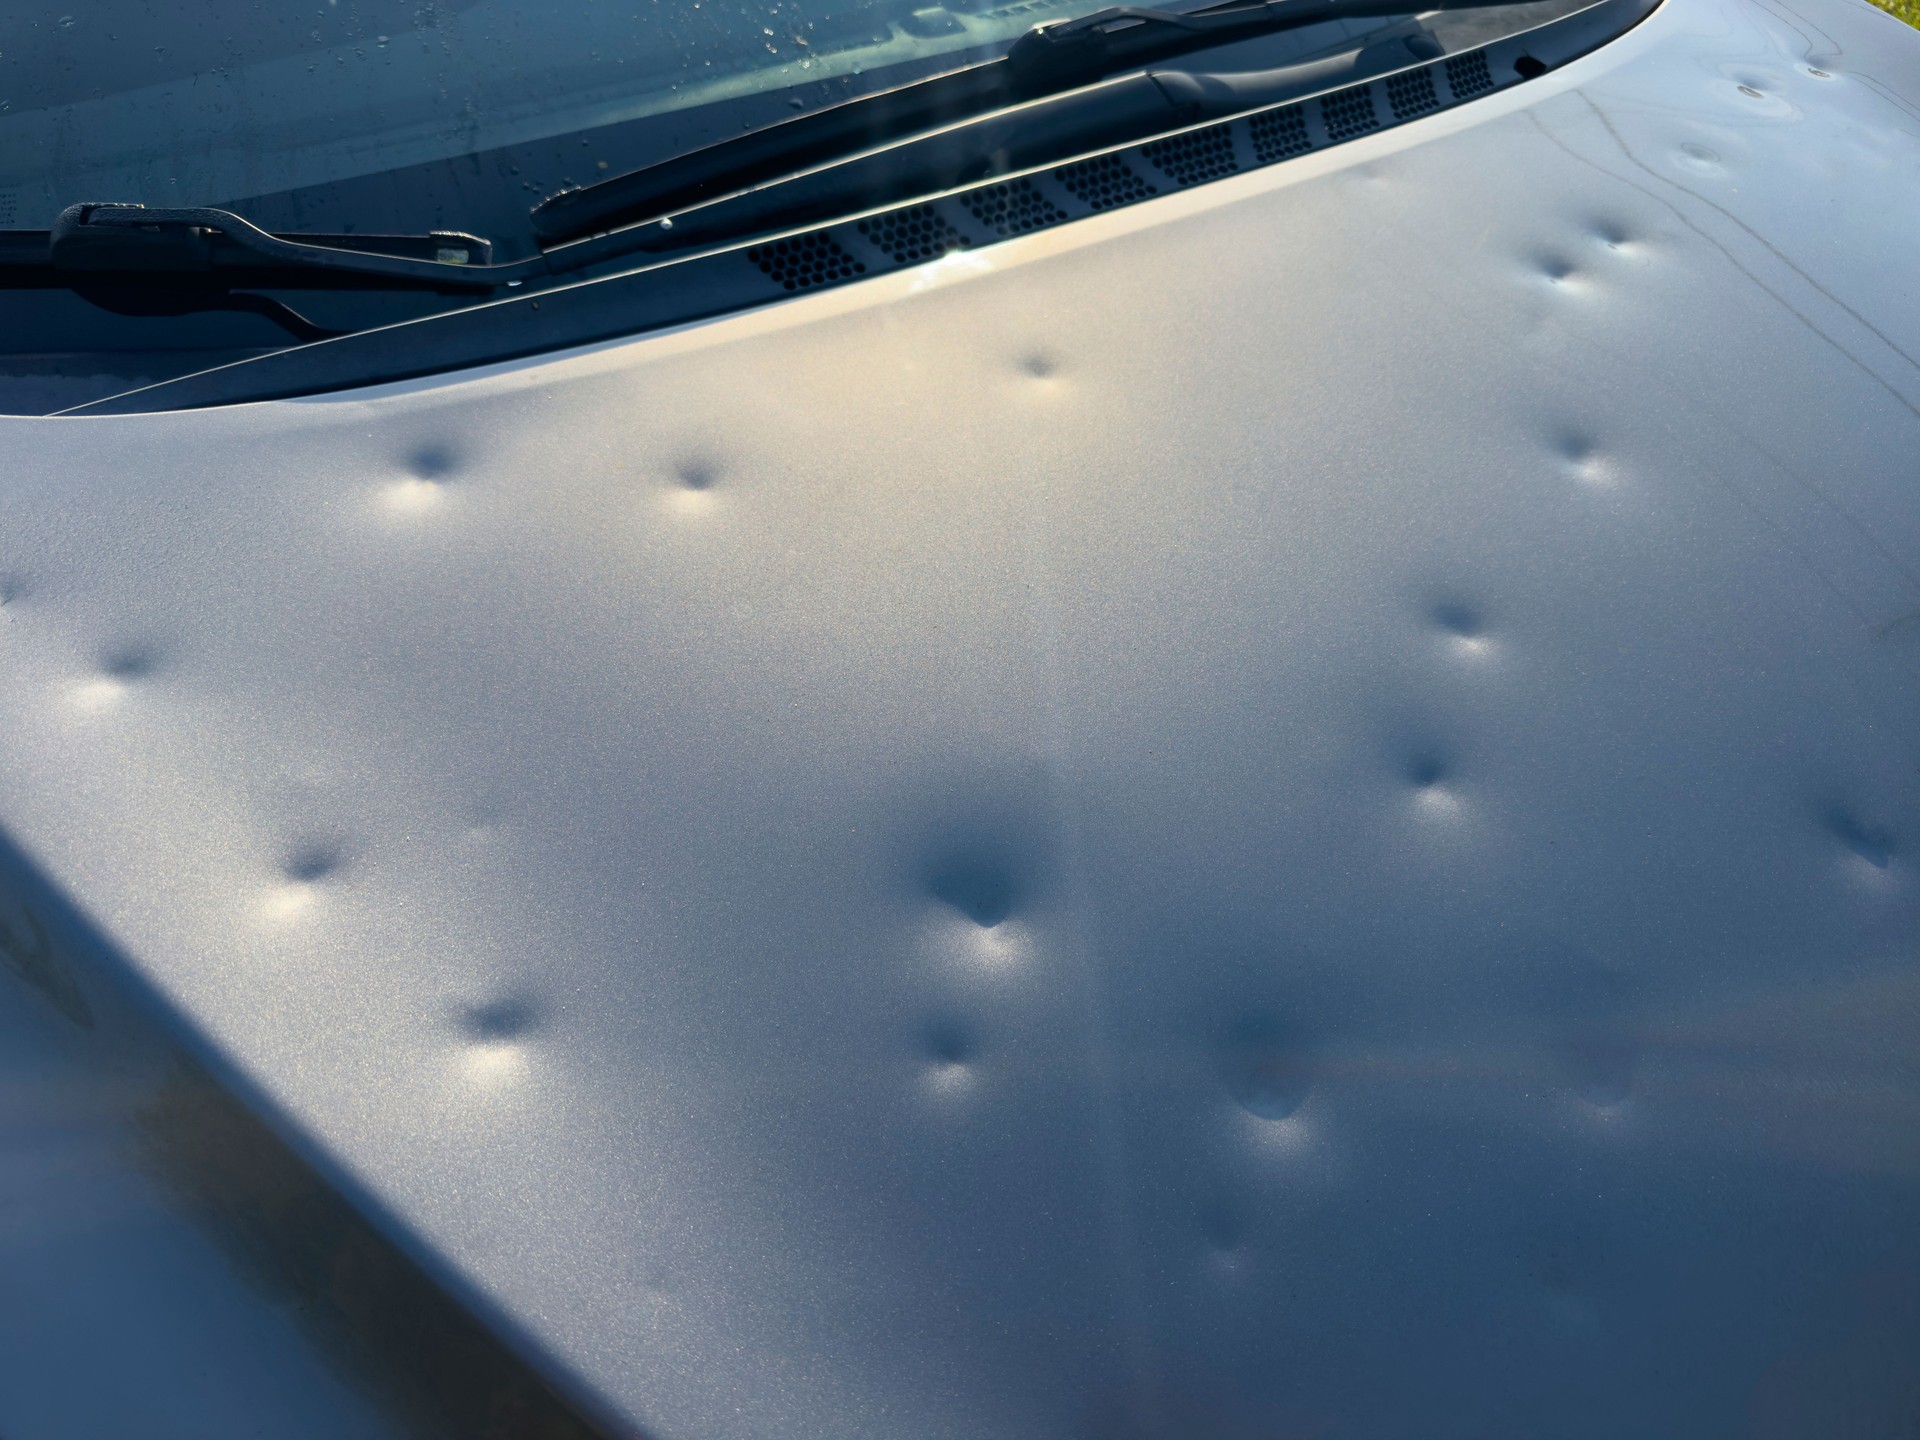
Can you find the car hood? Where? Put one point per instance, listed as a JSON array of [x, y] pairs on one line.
[[1289, 810]]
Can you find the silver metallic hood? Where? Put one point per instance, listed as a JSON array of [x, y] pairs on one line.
[[1288, 811]]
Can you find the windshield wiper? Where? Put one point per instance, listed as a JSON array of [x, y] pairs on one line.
[[1048, 60], [1089, 47], [131, 242], [154, 261], [1025, 136]]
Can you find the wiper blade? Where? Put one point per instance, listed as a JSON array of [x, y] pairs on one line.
[[1029, 135], [770, 153], [1047, 60], [219, 248]]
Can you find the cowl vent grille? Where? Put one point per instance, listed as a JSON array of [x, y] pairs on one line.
[[1012, 208], [801, 262], [1469, 75], [1412, 94], [1349, 113], [1278, 134], [1104, 182], [914, 234], [926, 230], [1196, 156]]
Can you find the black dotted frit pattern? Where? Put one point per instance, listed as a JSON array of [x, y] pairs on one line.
[[914, 234], [803, 261], [1411, 93], [1279, 133], [1013, 208], [1467, 75], [1104, 182], [1349, 113], [1198, 155]]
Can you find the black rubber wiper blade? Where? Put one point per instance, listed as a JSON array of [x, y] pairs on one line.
[[771, 152], [1047, 60], [216, 247]]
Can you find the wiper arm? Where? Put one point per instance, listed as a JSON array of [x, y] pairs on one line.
[[135, 242], [1047, 60], [1090, 47], [136, 260], [147, 301]]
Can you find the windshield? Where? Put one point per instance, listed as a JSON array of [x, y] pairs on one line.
[[412, 114], [371, 116], [377, 118]]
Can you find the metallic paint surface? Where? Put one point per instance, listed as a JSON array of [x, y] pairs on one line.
[[1291, 811]]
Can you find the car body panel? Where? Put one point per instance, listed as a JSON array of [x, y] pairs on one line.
[[1288, 811]]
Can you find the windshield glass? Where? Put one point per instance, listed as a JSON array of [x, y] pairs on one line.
[[400, 116], [229, 101]]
